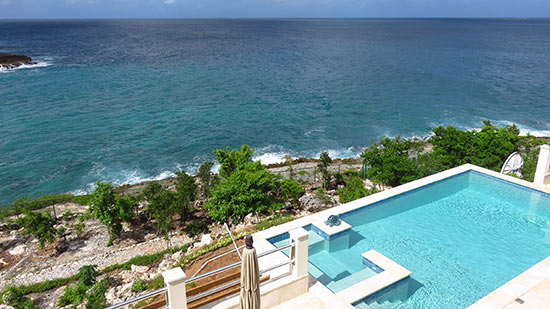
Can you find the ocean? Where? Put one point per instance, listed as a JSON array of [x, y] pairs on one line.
[[131, 100]]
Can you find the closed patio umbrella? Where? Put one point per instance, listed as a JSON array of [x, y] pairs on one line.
[[250, 277]]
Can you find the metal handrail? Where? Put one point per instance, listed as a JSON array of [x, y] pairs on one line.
[[215, 271], [232, 283], [164, 289], [217, 257], [233, 240], [141, 297]]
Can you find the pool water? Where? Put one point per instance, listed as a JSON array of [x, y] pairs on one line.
[[461, 238]]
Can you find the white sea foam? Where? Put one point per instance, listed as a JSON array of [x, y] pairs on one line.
[[40, 64]]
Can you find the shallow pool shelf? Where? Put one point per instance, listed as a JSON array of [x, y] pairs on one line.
[[388, 271], [337, 237]]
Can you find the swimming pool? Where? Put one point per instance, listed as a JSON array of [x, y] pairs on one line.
[[461, 238]]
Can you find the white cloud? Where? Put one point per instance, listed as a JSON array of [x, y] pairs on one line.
[[169, 1]]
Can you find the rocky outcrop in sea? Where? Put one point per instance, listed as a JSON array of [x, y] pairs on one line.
[[8, 61]]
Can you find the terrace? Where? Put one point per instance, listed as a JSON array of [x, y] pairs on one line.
[[308, 264]]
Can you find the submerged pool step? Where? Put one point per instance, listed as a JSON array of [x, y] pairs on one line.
[[351, 279], [316, 243]]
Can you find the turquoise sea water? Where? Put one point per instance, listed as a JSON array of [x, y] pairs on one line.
[[130, 100], [461, 238]]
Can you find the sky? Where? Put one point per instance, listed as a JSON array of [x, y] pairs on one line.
[[17, 9]]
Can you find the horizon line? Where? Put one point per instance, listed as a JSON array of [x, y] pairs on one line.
[[255, 18]]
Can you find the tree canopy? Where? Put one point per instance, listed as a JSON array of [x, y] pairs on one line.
[[111, 209]]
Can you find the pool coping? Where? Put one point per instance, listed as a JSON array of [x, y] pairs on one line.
[[393, 192], [517, 288], [371, 199], [390, 273]]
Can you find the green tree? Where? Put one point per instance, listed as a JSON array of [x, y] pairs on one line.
[[323, 165], [161, 207], [233, 160], [354, 189], [451, 147], [111, 209], [186, 193], [291, 190], [41, 226], [207, 178], [487, 148], [492, 145], [246, 190], [389, 162]]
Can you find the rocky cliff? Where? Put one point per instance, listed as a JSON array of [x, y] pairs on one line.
[[9, 61]]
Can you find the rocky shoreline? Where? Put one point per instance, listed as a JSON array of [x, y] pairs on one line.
[[9, 61]]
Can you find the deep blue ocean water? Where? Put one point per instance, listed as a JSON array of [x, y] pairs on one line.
[[130, 100]]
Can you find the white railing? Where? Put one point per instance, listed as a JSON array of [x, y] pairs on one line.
[[176, 281]]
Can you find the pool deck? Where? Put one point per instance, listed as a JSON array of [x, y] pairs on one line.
[[533, 287]]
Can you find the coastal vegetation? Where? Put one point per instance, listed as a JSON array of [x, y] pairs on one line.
[[246, 187], [397, 161], [111, 209], [41, 226], [243, 189]]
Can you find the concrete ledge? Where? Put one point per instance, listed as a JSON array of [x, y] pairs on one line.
[[530, 284], [329, 232], [390, 274]]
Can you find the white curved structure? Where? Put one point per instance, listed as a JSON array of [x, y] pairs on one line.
[[542, 174], [514, 164]]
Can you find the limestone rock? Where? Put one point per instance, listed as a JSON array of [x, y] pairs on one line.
[[18, 250], [164, 266], [139, 269], [177, 256], [311, 203], [206, 239]]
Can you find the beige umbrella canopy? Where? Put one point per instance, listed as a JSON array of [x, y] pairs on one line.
[[250, 277]]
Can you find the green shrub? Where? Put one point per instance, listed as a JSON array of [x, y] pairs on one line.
[[323, 165], [354, 189], [348, 174], [40, 226], [82, 199], [162, 206], [321, 195], [196, 228], [87, 274], [390, 163], [233, 160], [14, 297], [67, 215], [28, 203], [277, 220], [291, 190], [186, 193], [111, 209], [246, 190], [207, 178], [96, 295], [157, 282], [139, 285], [73, 295], [79, 229]]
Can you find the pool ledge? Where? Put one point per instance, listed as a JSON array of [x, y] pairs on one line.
[[392, 273], [528, 290]]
